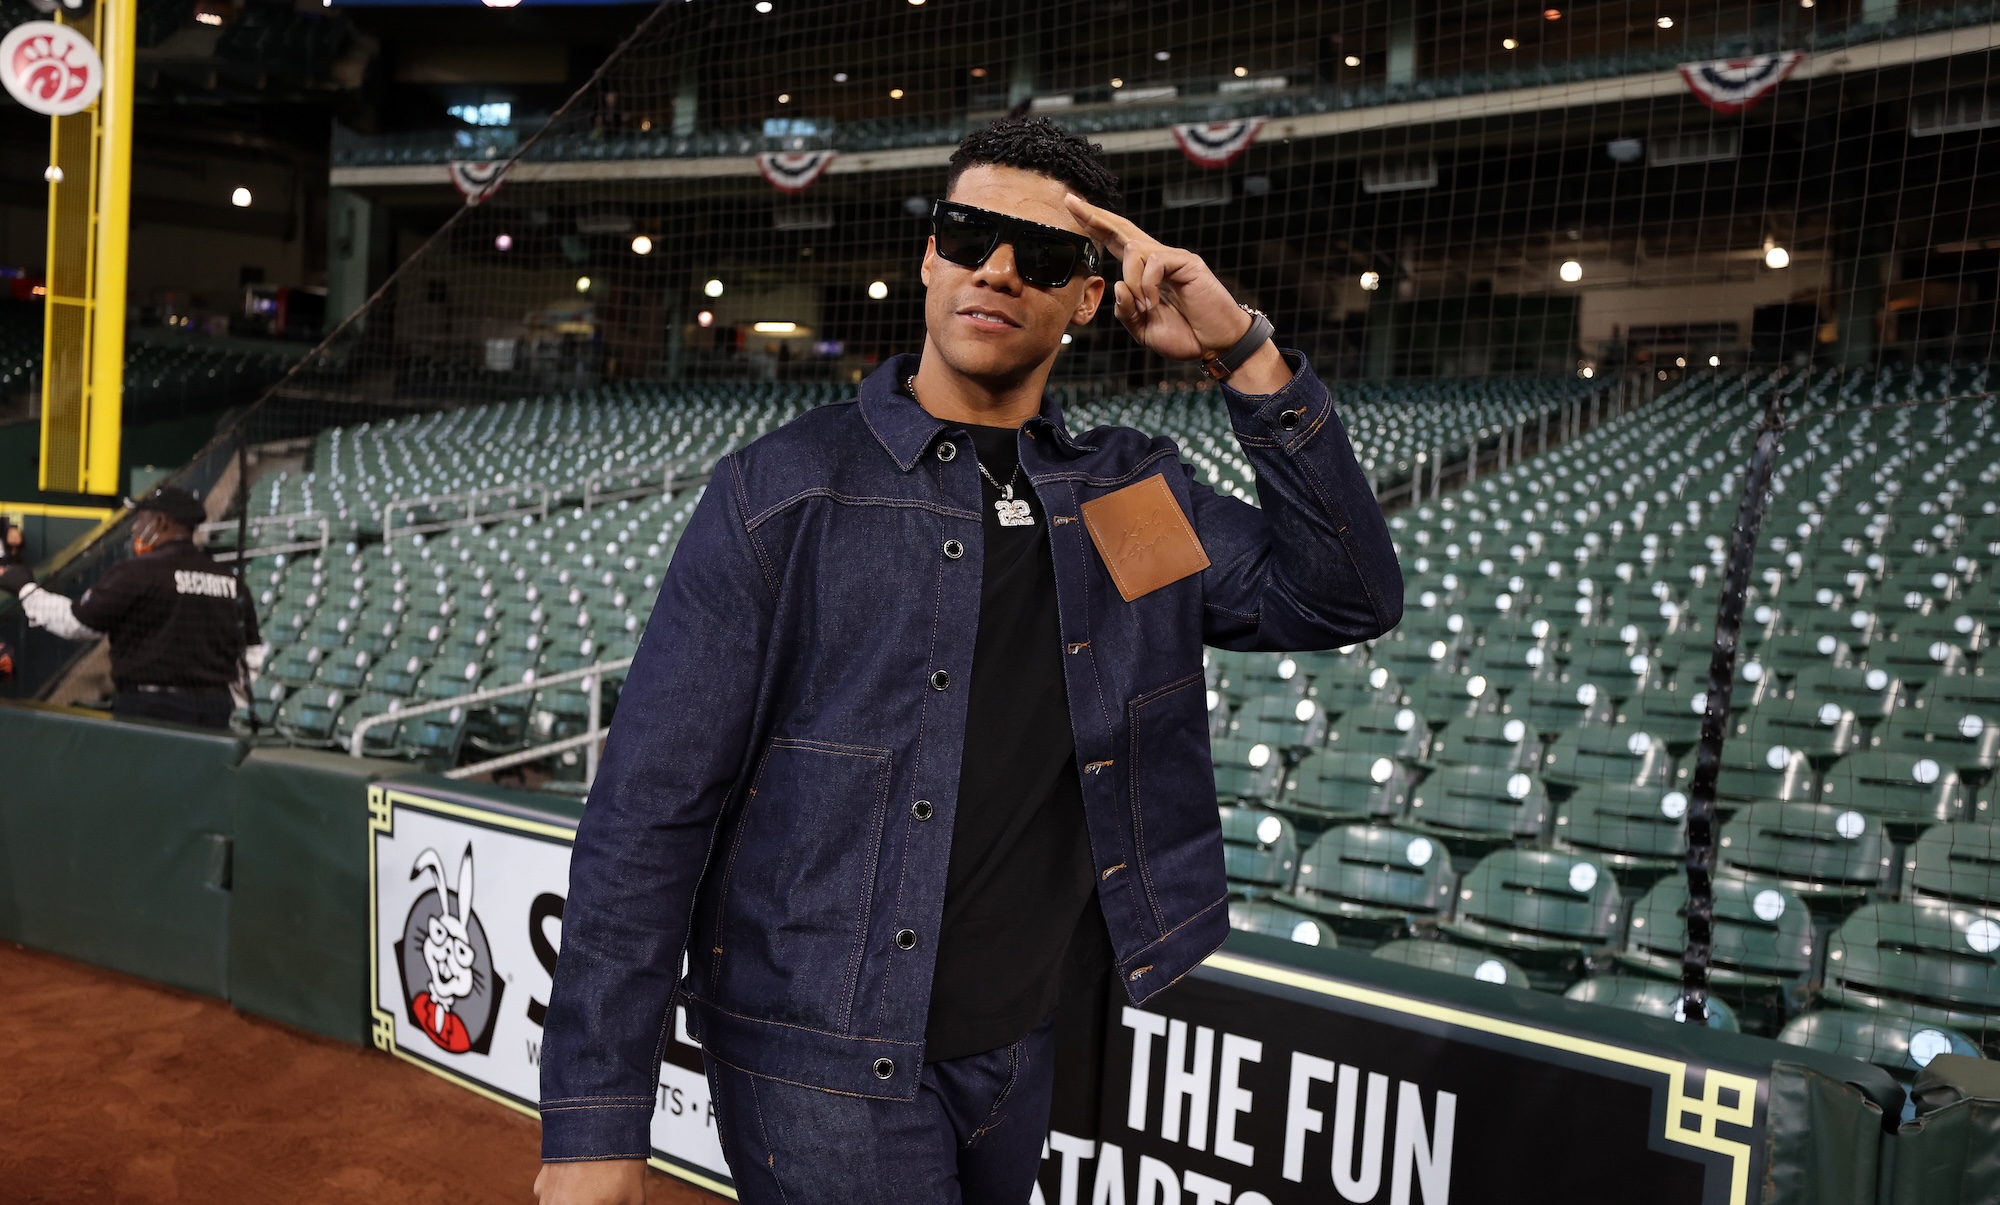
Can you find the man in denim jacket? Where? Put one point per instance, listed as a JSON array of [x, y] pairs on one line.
[[904, 756]]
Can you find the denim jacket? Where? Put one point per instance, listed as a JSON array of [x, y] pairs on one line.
[[777, 790]]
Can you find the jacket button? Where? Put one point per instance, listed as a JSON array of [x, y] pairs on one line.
[[921, 809], [906, 939], [953, 550], [1289, 419], [940, 679], [884, 1068], [947, 452]]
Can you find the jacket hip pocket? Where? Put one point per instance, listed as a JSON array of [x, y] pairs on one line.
[[793, 918]]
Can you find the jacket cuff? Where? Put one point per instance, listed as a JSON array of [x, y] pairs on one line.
[[1286, 417], [590, 1128]]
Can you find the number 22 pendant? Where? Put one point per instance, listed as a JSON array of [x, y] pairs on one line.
[[1013, 511]]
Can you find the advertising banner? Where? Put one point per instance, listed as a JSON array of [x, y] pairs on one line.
[[466, 905], [1254, 1083]]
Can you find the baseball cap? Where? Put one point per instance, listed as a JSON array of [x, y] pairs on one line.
[[176, 504]]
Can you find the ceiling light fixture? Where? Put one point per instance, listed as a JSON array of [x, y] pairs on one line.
[[641, 245], [705, 319], [840, 77], [878, 289], [1508, 44], [979, 73], [1352, 60], [763, 6], [784, 98], [240, 198], [1371, 281], [1570, 271], [583, 284], [503, 242], [1552, 14], [1665, 22], [1240, 72], [1116, 82], [895, 94], [775, 328], [1776, 256], [1161, 56], [712, 289]]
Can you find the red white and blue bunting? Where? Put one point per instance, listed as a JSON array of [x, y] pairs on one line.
[[1735, 85], [476, 179], [793, 171], [1217, 143]]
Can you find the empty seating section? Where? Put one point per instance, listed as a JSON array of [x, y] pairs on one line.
[[1500, 787]]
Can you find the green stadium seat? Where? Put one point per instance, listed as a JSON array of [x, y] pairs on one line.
[[1608, 753], [1342, 690], [395, 676], [1905, 790], [1653, 997], [1475, 809], [1381, 730], [1955, 863], [1933, 963], [1872, 694], [1246, 770], [1371, 882], [307, 716], [343, 669], [1330, 785], [1901, 1044], [1832, 857], [1447, 694], [1276, 920], [1288, 721], [1760, 951], [379, 741], [1555, 705], [1552, 913], [1491, 741], [1452, 959], [1259, 849], [434, 737], [1639, 831]]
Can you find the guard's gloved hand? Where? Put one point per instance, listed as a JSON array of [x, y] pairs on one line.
[[13, 577]]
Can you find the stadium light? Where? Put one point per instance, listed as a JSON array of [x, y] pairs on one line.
[[1371, 281], [1508, 44], [1715, 361], [1552, 14], [240, 198], [878, 289], [1665, 22], [1570, 271], [503, 241], [641, 245], [1240, 72], [763, 6], [775, 328], [712, 289], [1116, 82], [1352, 60], [1776, 256], [1161, 56], [583, 284], [705, 319], [784, 98], [916, 3], [1805, 3], [895, 94], [840, 77]]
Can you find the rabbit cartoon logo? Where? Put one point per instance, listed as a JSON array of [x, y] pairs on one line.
[[445, 956]]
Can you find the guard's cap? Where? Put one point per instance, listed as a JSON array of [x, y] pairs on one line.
[[176, 504]]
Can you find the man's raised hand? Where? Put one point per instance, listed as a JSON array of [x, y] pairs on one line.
[[1169, 299]]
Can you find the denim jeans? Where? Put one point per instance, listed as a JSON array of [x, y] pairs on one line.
[[972, 1136]]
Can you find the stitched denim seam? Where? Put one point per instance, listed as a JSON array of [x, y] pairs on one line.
[[597, 1102], [916, 780], [729, 867], [764, 1133], [779, 1079], [1343, 526], [749, 534], [993, 1118], [866, 904], [1144, 864], [596, 1158], [1171, 451], [820, 491]]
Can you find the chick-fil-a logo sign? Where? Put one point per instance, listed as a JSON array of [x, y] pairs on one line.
[[50, 68]]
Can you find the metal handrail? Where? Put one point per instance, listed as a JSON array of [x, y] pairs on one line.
[[473, 515], [325, 535], [595, 674]]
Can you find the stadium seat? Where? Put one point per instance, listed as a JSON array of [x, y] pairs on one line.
[[1955, 863], [1259, 849], [1489, 741], [1552, 913], [1638, 831], [1832, 857], [1900, 1044], [1476, 809], [1381, 730], [1275, 920], [1454, 960], [1907, 792], [1760, 950], [1609, 753], [1654, 997], [1371, 882], [1246, 770], [1933, 963], [1328, 785]]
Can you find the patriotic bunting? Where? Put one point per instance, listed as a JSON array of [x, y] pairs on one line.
[[1217, 143], [476, 179], [793, 171], [1735, 85]]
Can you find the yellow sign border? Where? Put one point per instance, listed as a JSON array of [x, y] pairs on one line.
[[1707, 1109], [382, 802]]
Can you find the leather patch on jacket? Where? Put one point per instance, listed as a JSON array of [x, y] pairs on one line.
[[1144, 538]]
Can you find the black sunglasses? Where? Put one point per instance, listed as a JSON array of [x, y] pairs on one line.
[[1045, 256]]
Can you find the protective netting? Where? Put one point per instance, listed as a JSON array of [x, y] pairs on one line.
[[1558, 267]]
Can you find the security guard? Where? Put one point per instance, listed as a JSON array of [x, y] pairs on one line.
[[180, 624]]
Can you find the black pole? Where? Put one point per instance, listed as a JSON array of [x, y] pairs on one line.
[[1715, 719]]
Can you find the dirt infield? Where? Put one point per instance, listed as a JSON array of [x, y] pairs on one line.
[[117, 1090]]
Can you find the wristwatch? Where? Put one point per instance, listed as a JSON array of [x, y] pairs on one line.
[[1224, 366]]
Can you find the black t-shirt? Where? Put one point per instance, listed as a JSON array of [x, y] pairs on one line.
[[175, 617], [1021, 921]]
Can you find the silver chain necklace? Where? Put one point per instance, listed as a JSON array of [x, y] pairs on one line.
[[1013, 511]]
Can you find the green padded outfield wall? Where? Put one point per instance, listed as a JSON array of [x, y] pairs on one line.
[[298, 920], [114, 843], [1950, 1155]]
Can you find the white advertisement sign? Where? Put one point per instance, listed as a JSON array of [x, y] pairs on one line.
[[466, 920], [52, 69]]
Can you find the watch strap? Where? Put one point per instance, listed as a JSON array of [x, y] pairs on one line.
[[1224, 366]]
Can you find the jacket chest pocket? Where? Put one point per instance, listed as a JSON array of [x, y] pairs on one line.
[[793, 921]]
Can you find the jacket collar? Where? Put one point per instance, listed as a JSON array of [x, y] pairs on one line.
[[905, 428]]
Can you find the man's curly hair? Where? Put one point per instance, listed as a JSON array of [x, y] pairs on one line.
[[1039, 145]]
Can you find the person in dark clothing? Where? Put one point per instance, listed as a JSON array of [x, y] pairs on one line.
[[182, 629], [13, 544], [915, 744]]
